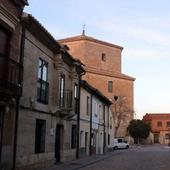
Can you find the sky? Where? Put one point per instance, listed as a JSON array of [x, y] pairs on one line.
[[141, 27]]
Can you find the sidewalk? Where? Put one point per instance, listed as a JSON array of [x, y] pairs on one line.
[[80, 163]]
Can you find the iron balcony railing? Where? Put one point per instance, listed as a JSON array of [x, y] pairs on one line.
[[65, 101], [10, 75]]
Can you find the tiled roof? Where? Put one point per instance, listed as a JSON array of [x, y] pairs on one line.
[[40, 31], [42, 34], [151, 116], [88, 38]]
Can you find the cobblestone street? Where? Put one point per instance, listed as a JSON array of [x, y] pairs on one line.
[[156, 157]]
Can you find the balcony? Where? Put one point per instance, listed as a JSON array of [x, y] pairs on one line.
[[65, 103], [10, 77]]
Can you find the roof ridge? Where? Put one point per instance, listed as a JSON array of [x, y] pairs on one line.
[[88, 38]]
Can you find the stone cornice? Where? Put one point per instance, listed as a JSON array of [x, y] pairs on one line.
[[8, 18], [107, 73]]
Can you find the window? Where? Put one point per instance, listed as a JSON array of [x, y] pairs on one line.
[[168, 124], [76, 98], [4, 39], [110, 122], [40, 136], [62, 89], [110, 86], [104, 112], [42, 86], [103, 57], [88, 105], [95, 110], [159, 124], [73, 136], [167, 136], [4, 49], [119, 140], [75, 91]]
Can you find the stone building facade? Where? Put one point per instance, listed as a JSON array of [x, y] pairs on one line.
[[95, 121], [160, 127], [103, 70], [49, 106], [10, 78]]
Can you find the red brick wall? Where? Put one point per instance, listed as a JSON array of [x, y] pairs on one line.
[[90, 54]]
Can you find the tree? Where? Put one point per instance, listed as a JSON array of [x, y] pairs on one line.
[[119, 110], [138, 129]]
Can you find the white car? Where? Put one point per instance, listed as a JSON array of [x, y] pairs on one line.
[[120, 143]]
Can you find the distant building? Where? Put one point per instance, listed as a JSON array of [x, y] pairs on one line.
[[103, 71], [11, 70], [95, 120], [160, 127]]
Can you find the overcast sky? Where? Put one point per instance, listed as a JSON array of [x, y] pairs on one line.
[[141, 27]]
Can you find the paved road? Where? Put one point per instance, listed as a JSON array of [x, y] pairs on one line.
[[141, 158]]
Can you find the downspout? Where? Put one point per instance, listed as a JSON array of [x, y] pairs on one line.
[[104, 134], [108, 128], [2, 127], [90, 145], [22, 44], [78, 116]]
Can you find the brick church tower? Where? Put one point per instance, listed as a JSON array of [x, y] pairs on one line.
[[102, 61]]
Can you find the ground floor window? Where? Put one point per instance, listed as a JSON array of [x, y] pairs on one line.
[[40, 136], [167, 136]]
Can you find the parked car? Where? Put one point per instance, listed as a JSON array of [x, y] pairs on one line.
[[120, 143]]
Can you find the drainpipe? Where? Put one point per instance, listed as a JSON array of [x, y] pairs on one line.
[[22, 44], [15, 133], [78, 116], [104, 133], [90, 145], [2, 129]]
